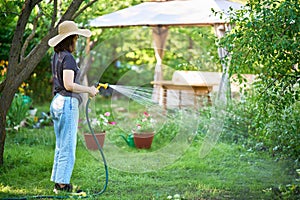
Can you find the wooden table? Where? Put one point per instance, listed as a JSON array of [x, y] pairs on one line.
[[198, 89]]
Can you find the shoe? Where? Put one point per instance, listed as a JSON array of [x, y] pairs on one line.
[[66, 188]]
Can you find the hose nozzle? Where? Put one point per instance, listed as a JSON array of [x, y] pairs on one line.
[[104, 85]]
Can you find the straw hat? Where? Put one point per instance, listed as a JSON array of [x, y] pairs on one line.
[[66, 29]]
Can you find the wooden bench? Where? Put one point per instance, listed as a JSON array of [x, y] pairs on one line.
[[197, 90]]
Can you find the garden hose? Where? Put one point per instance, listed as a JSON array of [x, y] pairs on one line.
[[81, 194]]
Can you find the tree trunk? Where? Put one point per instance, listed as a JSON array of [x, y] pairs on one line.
[[6, 98]]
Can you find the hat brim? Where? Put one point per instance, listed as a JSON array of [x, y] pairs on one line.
[[57, 39]]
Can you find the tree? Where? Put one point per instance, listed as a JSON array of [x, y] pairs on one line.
[[21, 61], [265, 42]]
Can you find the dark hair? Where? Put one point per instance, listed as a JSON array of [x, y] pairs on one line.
[[67, 44]]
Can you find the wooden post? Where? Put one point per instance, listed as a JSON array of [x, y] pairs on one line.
[[165, 96], [180, 101]]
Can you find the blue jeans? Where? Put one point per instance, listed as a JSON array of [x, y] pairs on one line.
[[65, 114]]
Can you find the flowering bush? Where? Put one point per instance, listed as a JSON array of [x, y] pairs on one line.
[[144, 123], [103, 121]]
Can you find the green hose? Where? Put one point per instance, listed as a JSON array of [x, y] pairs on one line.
[[99, 148]]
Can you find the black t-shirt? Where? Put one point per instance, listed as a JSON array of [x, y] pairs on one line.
[[61, 61]]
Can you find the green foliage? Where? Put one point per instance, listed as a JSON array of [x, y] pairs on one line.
[[165, 135], [278, 129], [289, 191], [192, 49], [18, 110], [265, 42], [237, 124], [264, 33], [113, 74], [269, 129], [9, 11], [40, 82]]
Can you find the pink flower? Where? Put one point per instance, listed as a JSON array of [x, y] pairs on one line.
[[146, 114], [112, 123], [107, 114]]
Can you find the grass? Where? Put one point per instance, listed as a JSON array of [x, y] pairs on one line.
[[228, 172]]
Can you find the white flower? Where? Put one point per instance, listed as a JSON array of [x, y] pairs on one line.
[[292, 21], [177, 196], [104, 120], [95, 122]]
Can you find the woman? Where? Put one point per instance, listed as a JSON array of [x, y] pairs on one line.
[[64, 106]]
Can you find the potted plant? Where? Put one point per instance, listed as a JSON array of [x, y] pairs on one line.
[[143, 132], [100, 125]]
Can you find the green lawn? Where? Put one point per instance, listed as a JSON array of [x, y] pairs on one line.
[[228, 172]]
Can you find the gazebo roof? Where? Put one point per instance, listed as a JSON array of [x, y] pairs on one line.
[[168, 13]]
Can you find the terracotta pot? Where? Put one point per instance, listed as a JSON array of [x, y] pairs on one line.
[[143, 140], [91, 143]]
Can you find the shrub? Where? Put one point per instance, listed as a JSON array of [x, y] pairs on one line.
[[237, 124], [255, 46], [273, 129], [18, 110]]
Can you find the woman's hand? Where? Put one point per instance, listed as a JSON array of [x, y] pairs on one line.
[[93, 91]]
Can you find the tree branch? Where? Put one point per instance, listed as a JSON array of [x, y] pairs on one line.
[[82, 9], [16, 46], [54, 15], [68, 15], [30, 37]]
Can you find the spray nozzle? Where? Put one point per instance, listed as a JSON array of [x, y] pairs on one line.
[[104, 85]]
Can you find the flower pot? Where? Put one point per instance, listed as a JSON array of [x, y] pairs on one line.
[[143, 140], [32, 112], [91, 143]]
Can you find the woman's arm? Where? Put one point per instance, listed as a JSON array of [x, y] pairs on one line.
[[68, 77]]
